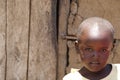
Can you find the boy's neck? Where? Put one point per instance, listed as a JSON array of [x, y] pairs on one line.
[[96, 75]]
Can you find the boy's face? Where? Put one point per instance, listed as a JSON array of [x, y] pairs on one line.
[[94, 53]]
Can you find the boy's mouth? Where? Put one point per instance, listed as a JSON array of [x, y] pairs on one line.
[[95, 63]]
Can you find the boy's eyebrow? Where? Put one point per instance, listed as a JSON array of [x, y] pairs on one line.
[[86, 45], [105, 47]]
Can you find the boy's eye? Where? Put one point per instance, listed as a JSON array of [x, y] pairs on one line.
[[88, 49], [104, 50]]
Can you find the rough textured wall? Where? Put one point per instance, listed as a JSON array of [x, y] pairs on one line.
[[82, 9]]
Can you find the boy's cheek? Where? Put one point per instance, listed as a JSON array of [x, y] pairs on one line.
[[82, 55], [104, 57]]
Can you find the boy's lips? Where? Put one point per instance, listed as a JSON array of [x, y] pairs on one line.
[[94, 63]]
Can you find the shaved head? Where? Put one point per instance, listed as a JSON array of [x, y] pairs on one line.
[[94, 44], [95, 28]]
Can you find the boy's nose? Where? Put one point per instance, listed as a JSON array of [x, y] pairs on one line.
[[95, 54]]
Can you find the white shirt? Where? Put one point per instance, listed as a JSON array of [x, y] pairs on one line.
[[114, 74]]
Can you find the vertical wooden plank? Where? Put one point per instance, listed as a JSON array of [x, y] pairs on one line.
[[2, 38], [17, 39], [62, 44], [42, 53]]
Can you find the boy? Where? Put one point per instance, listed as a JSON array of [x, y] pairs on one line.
[[94, 43]]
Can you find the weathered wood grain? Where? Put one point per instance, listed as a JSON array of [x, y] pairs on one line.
[[2, 38], [17, 39], [62, 45], [42, 53]]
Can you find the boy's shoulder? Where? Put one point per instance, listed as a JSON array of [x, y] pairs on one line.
[[73, 75], [116, 70], [116, 65]]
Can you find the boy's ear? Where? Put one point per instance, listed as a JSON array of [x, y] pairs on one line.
[[113, 44], [76, 43], [77, 46]]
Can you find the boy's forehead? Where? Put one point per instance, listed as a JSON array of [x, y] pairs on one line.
[[95, 34], [96, 42], [101, 41]]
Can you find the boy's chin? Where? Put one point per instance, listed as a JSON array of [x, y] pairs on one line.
[[95, 71]]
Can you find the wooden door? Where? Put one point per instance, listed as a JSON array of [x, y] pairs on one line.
[[28, 40]]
